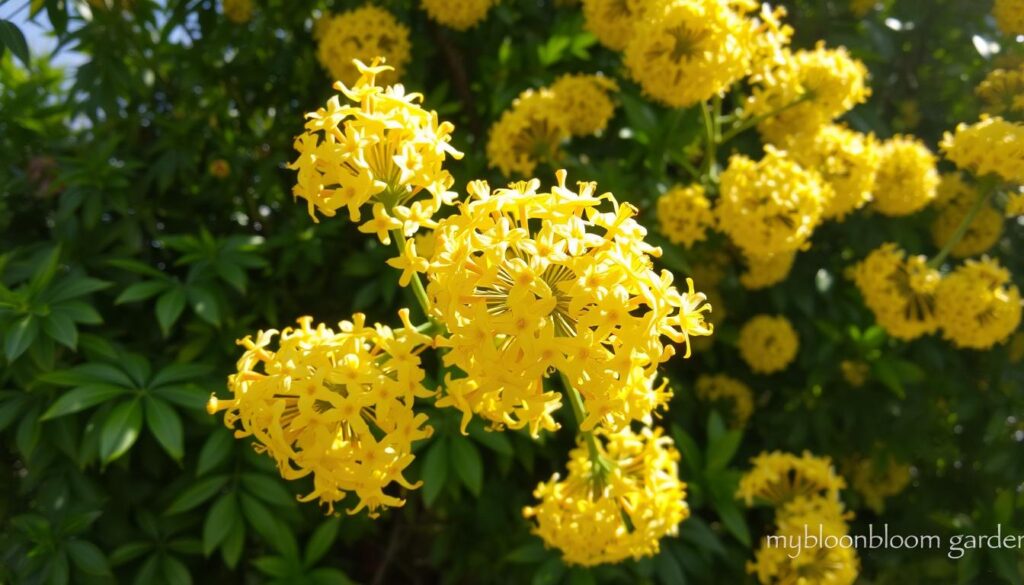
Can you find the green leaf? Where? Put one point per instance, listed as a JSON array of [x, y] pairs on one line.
[[47, 268], [129, 552], [494, 440], [231, 549], [120, 430], [179, 373], [73, 287], [165, 424], [79, 312], [88, 557], [169, 307], [141, 291], [175, 571], [550, 572], [270, 527], [688, 447], [722, 449], [82, 398], [219, 521], [204, 303], [90, 373], [61, 329], [668, 569], [321, 540], [733, 519], [58, 565], [215, 451], [20, 336], [329, 576], [267, 489], [529, 553], [468, 464], [272, 566], [196, 493], [435, 471], [185, 395], [12, 38]]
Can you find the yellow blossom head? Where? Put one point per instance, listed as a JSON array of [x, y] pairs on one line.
[[584, 100], [1002, 91], [1009, 16], [770, 206], [237, 11], [617, 509], [982, 233], [737, 395], [899, 290], [683, 52], [1014, 204], [906, 180], [684, 215], [611, 21], [878, 479], [855, 372], [847, 162], [778, 478], [768, 344], [990, 146], [531, 131], [334, 405], [529, 282], [362, 34], [765, 271], [384, 150], [978, 305], [457, 14]]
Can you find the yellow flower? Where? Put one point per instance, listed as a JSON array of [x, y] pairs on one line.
[[854, 372], [790, 558], [611, 21], [807, 90], [769, 206], [992, 145], [220, 168], [683, 52], [1002, 91], [528, 133], [952, 187], [978, 305], [982, 233], [876, 480], [719, 387], [1014, 205], [334, 405], [847, 162], [768, 344], [1009, 16], [409, 262], [765, 271], [907, 180], [531, 282], [861, 8], [684, 215], [386, 149], [584, 100], [238, 11], [899, 290], [778, 478], [618, 509], [457, 14], [362, 34]]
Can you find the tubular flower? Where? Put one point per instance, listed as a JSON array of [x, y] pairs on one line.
[[386, 149], [769, 206], [899, 290], [768, 344], [953, 187], [584, 100], [765, 271], [1002, 91], [684, 215], [771, 41], [809, 89], [337, 405], [778, 478], [457, 14], [790, 558], [722, 388], [978, 305], [992, 145], [982, 233], [611, 21], [877, 480], [907, 180], [237, 11], [1009, 16], [528, 133], [685, 52], [528, 282], [617, 509], [847, 162], [362, 34], [854, 372]]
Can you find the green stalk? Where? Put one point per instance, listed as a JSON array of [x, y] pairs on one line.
[[417, 285], [965, 224], [580, 413], [710, 140], [750, 123]]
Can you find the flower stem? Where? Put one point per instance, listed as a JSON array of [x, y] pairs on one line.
[[580, 413], [710, 141], [751, 122], [965, 224], [416, 283]]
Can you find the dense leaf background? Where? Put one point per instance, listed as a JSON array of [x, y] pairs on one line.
[[128, 271]]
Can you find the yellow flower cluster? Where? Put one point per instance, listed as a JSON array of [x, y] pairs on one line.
[[334, 405], [899, 290], [611, 21], [237, 11], [1002, 91], [906, 180], [1014, 205], [765, 271], [362, 34], [768, 344], [534, 128], [808, 89], [982, 233], [385, 149], [722, 388], [978, 305], [685, 52], [684, 215], [530, 281], [457, 14], [847, 162], [616, 508], [769, 206], [778, 478], [992, 145], [877, 480], [1009, 16], [953, 187], [855, 372]]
